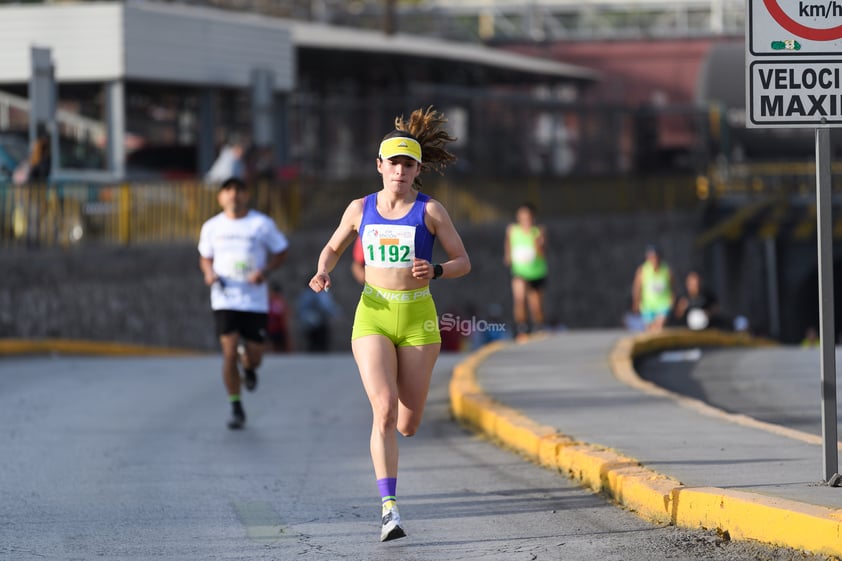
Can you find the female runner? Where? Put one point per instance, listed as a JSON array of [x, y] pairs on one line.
[[395, 337]]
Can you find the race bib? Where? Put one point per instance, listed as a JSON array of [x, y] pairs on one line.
[[389, 246], [523, 255], [658, 285], [234, 267]]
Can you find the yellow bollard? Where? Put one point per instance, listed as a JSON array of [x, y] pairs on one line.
[[124, 214]]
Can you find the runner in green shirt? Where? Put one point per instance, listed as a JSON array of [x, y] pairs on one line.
[[652, 290], [525, 254]]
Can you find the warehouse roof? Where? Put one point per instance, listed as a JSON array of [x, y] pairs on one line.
[[140, 40]]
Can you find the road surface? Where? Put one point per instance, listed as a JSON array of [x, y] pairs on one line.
[[129, 459]]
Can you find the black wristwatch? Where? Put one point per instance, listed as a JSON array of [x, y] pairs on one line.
[[438, 270]]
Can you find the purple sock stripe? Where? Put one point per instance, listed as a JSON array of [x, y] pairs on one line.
[[388, 487]]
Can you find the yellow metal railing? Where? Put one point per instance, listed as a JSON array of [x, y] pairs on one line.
[[140, 213], [40, 215], [763, 179]]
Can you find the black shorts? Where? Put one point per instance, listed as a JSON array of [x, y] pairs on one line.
[[250, 325], [535, 284]]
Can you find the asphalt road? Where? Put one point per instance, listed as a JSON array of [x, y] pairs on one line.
[[779, 385], [129, 459]]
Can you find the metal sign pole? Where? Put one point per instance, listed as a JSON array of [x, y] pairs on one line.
[[826, 312], [788, 47]]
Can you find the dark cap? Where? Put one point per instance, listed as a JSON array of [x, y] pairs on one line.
[[233, 183]]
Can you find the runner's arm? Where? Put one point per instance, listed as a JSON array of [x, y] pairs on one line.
[[458, 263]]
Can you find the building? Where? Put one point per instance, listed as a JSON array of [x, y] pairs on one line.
[[136, 78]]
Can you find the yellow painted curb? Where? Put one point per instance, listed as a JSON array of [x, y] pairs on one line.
[[76, 347], [604, 471], [657, 497], [749, 516]]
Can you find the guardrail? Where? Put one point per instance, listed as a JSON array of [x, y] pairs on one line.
[[70, 212], [62, 215], [760, 179]]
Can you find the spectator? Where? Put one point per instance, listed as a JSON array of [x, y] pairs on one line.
[[263, 164], [358, 261], [40, 156], [228, 164], [277, 326], [811, 338], [452, 337], [631, 319], [315, 312], [697, 307], [491, 328], [652, 290]]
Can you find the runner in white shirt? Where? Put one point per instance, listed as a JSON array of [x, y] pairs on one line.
[[238, 248]]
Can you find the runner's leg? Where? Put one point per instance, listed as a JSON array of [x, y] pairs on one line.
[[415, 369], [377, 362]]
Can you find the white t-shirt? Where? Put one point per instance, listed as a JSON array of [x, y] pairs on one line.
[[238, 247]]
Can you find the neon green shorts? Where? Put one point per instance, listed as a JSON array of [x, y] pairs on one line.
[[407, 317]]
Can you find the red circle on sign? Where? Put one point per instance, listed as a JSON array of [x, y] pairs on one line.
[[801, 30]]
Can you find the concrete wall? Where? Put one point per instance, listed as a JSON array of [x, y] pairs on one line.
[[155, 295]]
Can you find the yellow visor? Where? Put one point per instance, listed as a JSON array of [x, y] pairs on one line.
[[400, 146]]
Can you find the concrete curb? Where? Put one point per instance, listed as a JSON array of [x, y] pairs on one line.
[[78, 347], [656, 497]]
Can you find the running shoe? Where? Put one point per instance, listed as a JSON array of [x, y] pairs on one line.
[[237, 420], [391, 525], [249, 379]]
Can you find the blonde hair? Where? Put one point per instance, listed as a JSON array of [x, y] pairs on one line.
[[427, 127]]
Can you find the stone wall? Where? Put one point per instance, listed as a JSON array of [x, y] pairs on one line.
[[155, 295]]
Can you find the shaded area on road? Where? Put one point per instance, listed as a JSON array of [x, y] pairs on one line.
[[776, 385]]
